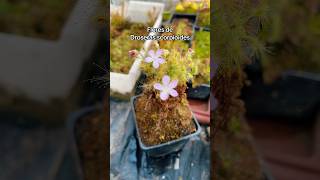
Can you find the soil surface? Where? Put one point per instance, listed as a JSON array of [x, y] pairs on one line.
[[163, 121], [34, 18], [91, 133]]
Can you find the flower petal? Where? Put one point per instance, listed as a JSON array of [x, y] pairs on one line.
[[173, 93], [165, 80], [148, 59], [159, 52], [164, 96], [158, 86], [151, 53], [155, 64], [173, 84], [160, 60]]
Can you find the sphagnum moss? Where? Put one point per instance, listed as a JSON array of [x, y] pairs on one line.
[[120, 29]]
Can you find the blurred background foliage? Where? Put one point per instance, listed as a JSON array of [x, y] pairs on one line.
[[292, 35], [235, 33], [279, 35]]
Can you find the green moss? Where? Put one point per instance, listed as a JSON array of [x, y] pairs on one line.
[[120, 46], [234, 125], [187, 7], [202, 44], [166, 15], [120, 43], [204, 18], [181, 26], [202, 57]]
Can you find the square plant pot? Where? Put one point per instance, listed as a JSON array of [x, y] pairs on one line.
[[45, 69], [164, 148], [77, 126], [201, 92], [123, 85], [293, 96], [193, 18]]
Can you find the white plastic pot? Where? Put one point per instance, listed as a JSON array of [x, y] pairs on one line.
[[137, 11], [44, 69]]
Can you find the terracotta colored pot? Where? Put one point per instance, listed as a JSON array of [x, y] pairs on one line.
[[201, 110]]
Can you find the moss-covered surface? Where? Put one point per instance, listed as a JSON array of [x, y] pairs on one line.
[[204, 18], [163, 118], [180, 27], [34, 18], [236, 156], [201, 46], [120, 46], [187, 7], [166, 16], [227, 90], [120, 43], [162, 121]]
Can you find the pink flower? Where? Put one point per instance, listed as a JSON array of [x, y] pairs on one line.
[[155, 57], [133, 53], [166, 88], [190, 50]]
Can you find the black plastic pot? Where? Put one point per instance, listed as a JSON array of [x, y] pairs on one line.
[[201, 92], [295, 96], [193, 18], [200, 28], [165, 148], [73, 119]]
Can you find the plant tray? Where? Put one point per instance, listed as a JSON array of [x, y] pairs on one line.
[[123, 85]]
